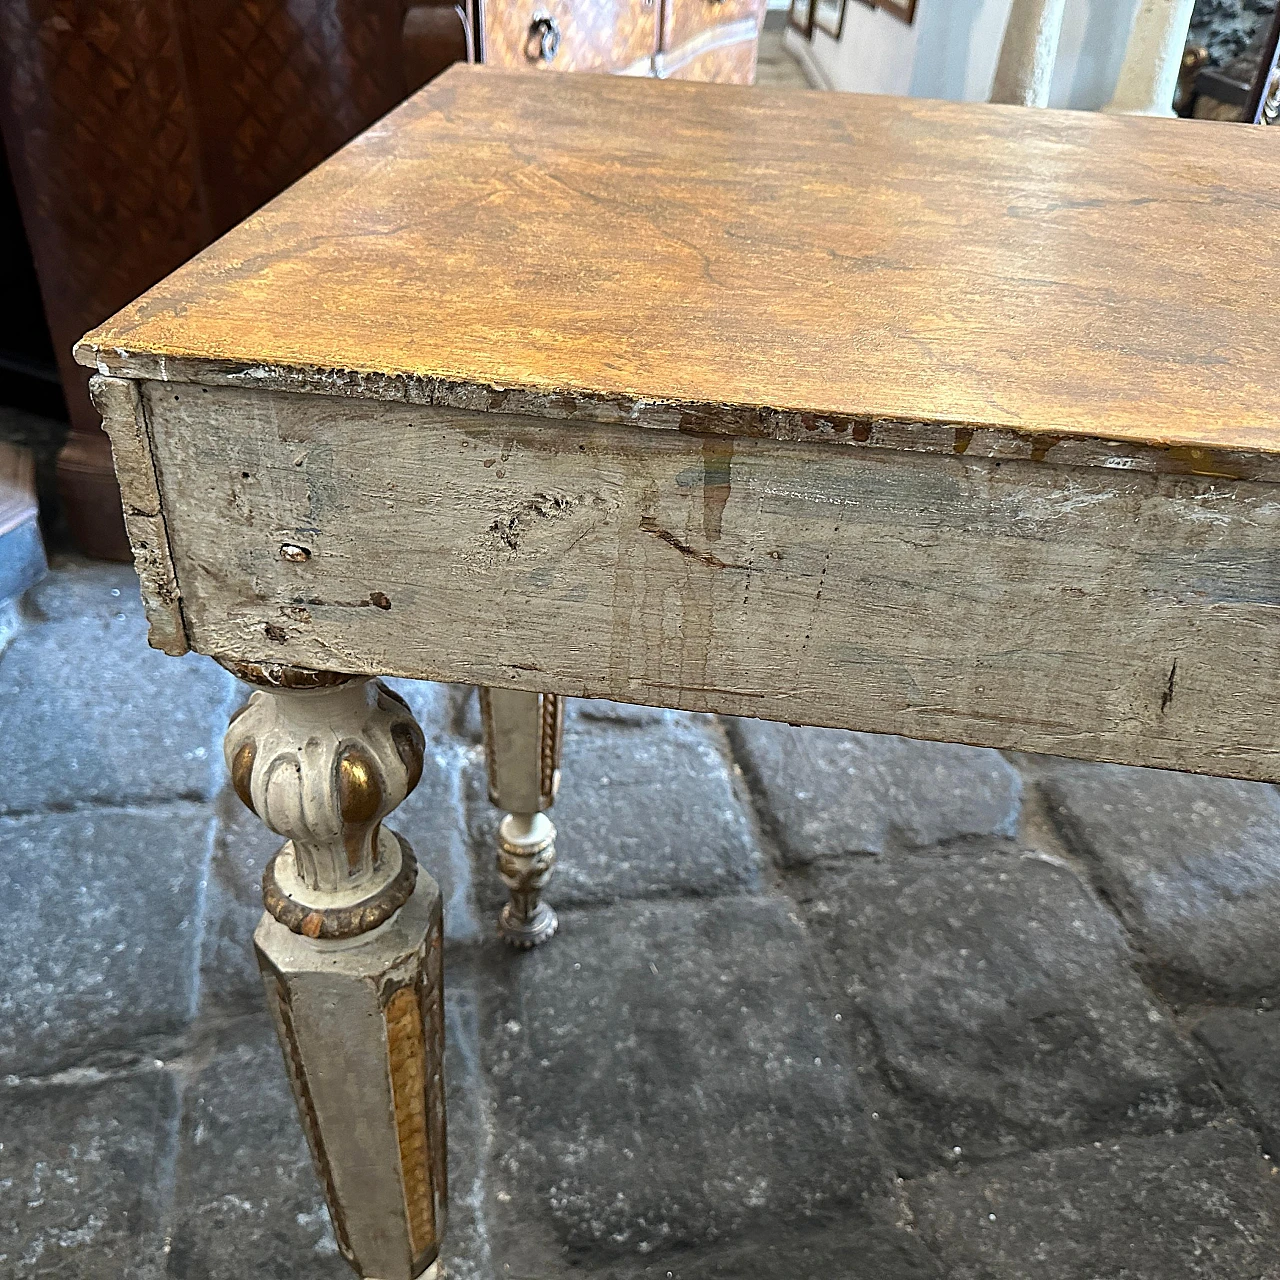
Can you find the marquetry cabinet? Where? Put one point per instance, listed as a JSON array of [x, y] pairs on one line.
[[711, 40]]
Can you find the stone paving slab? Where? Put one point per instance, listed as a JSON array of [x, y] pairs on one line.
[[826, 793], [436, 707], [1244, 1045], [592, 712], [242, 846], [85, 1177], [996, 1007], [670, 1072], [646, 808], [669, 1089], [816, 1253], [249, 1205], [77, 589], [99, 932], [1191, 1206], [1193, 866], [433, 820], [103, 718]]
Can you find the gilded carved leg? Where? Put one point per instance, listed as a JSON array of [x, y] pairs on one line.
[[522, 733], [350, 952]]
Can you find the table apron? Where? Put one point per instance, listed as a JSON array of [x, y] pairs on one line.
[[1084, 611]]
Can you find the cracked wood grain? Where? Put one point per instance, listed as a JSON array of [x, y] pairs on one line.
[[124, 421], [1090, 612]]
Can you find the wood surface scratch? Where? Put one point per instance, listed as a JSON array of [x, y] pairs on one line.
[[1096, 612], [948, 277]]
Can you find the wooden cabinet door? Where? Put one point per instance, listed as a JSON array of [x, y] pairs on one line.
[[732, 63], [685, 20], [710, 40], [571, 35]]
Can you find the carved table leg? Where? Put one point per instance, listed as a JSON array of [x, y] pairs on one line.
[[522, 733], [350, 951]]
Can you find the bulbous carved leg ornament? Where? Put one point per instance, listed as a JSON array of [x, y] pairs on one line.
[[350, 952], [522, 736]]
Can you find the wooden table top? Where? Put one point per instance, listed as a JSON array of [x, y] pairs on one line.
[[623, 249]]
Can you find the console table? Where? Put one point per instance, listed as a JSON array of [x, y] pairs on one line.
[[959, 422]]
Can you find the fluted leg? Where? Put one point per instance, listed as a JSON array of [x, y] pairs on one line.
[[350, 952], [522, 733]]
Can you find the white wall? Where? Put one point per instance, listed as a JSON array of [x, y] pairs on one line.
[[950, 51]]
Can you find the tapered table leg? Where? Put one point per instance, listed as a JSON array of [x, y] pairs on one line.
[[522, 735], [350, 952]]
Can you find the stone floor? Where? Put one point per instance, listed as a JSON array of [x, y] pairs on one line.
[[823, 1005], [775, 65]]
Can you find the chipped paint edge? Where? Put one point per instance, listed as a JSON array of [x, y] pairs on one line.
[[902, 435], [119, 401]]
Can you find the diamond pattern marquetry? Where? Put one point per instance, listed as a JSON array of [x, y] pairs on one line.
[[288, 82], [139, 130], [100, 131]]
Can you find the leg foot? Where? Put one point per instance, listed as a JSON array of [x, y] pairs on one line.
[[526, 858], [522, 735]]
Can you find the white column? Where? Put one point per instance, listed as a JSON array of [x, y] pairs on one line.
[[1027, 53], [1149, 76]]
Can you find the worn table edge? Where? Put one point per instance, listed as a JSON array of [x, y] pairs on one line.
[[1228, 762], [979, 439]]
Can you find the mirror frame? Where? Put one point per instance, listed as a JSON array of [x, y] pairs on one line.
[[816, 6], [905, 10]]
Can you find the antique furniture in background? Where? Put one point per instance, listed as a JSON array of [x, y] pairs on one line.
[[1012, 495], [1247, 88], [712, 40], [138, 131]]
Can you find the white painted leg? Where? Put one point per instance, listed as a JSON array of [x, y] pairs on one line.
[[522, 734], [1153, 58], [350, 952], [1024, 71]]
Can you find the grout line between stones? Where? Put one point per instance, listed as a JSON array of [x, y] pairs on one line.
[[135, 805], [750, 794], [1141, 962]]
